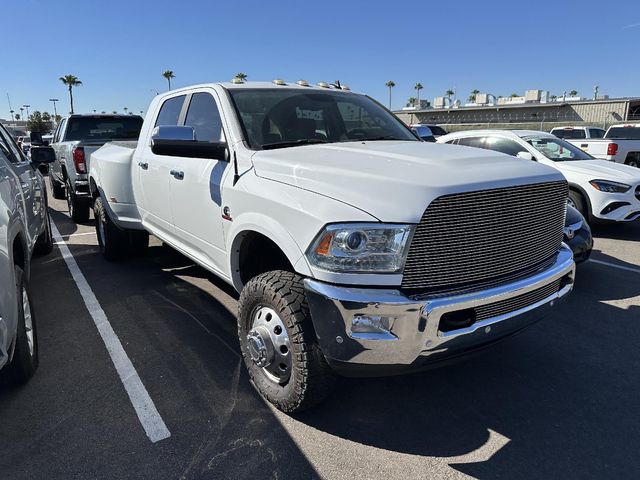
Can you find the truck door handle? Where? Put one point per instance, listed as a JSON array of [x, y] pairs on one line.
[[177, 175], [143, 165]]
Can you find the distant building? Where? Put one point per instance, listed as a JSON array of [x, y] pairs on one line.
[[534, 107]]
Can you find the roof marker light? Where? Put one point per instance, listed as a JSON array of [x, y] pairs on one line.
[[303, 83], [323, 84], [279, 81]]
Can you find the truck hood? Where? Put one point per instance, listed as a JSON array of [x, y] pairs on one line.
[[395, 181], [601, 169]]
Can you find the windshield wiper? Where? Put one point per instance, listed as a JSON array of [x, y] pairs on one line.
[[375, 139], [292, 143]]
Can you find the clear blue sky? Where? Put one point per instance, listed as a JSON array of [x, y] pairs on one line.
[[119, 49]]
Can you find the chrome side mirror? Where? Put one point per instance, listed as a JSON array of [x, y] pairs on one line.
[[173, 132]]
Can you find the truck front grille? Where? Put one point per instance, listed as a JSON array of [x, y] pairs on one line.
[[480, 239]]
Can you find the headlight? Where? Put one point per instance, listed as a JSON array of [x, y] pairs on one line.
[[361, 248], [609, 186]]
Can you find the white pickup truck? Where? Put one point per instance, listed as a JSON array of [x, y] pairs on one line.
[[355, 248], [620, 144]]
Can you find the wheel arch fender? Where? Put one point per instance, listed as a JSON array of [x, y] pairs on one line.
[[582, 191], [255, 222]]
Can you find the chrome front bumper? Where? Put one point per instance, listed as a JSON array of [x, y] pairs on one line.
[[412, 335]]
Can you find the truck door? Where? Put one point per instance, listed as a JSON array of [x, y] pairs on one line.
[[154, 177], [28, 184], [196, 192]]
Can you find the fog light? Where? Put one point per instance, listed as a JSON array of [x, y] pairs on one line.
[[372, 326]]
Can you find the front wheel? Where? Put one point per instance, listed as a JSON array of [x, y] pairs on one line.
[[577, 201], [78, 208], [58, 189], [25, 356], [112, 240], [279, 345]]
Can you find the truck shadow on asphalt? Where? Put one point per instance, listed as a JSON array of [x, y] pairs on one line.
[[617, 231], [563, 393]]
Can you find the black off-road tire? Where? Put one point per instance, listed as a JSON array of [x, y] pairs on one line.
[[633, 161], [44, 243], [78, 208], [24, 363], [311, 379], [112, 240], [138, 242], [579, 203], [57, 189]]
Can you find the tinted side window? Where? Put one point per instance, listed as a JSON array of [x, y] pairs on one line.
[[504, 145], [632, 133], [60, 130], [170, 111], [437, 130], [477, 142], [10, 148], [204, 117], [596, 133]]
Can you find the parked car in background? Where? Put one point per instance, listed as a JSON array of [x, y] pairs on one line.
[[423, 132], [598, 189], [620, 144], [25, 228], [577, 234], [351, 242], [573, 133], [74, 140], [435, 130]]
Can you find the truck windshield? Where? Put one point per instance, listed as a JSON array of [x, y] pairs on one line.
[[630, 133], [289, 117], [557, 150], [103, 128]]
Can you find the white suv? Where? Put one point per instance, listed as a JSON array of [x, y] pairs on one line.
[[598, 189]]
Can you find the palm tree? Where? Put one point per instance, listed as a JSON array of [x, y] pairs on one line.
[[241, 76], [390, 84], [17, 116], [513, 95], [418, 87], [71, 81], [125, 110], [449, 93], [168, 74], [573, 93], [412, 102], [474, 92], [12, 112]]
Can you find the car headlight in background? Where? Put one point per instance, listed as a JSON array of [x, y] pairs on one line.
[[609, 187], [361, 248]]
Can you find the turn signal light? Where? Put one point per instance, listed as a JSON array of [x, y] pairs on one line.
[[78, 160]]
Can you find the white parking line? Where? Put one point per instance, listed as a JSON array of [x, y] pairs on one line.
[[613, 265], [147, 413]]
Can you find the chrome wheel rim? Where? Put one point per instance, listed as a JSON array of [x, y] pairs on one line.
[[268, 345], [28, 320]]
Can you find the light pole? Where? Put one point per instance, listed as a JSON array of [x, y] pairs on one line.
[[11, 112], [21, 113], [27, 107], [55, 112]]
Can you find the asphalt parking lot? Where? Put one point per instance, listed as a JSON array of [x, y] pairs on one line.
[[557, 401]]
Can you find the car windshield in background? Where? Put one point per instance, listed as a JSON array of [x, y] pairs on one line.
[[631, 133], [104, 128], [291, 117], [570, 133], [557, 149], [437, 130]]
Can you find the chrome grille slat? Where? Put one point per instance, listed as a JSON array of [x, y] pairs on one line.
[[516, 303], [479, 239]]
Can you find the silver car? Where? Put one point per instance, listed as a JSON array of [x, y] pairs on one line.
[[25, 228]]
